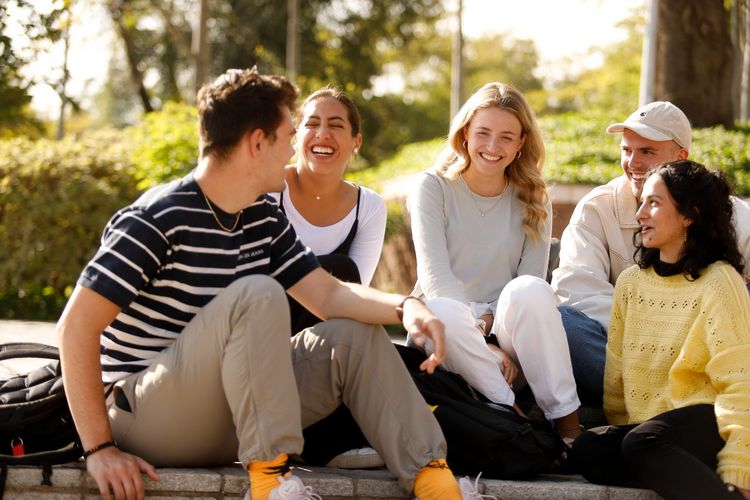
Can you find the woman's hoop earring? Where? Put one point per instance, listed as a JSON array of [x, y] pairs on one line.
[[465, 145], [518, 154]]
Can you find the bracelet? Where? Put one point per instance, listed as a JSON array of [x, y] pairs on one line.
[[400, 307], [99, 447]]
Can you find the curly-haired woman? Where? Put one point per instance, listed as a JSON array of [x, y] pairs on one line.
[[676, 380]]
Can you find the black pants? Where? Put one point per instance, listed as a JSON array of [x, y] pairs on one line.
[[338, 432], [673, 454]]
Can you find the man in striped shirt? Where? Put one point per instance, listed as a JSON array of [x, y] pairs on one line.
[[175, 343]]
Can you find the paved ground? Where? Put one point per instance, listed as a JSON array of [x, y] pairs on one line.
[[24, 331], [27, 331]]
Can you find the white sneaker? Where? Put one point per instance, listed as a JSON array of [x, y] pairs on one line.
[[291, 488], [470, 491], [361, 458]]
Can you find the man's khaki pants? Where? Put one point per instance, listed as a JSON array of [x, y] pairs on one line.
[[230, 387]]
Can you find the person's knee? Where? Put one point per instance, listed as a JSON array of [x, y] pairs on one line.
[[570, 317], [449, 310], [258, 290], [639, 443], [528, 291], [342, 331], [257, 285], [580, 328], [455, 315], [568, 313]]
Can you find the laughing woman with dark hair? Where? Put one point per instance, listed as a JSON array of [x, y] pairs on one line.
[[344, 225], [676, 385], [341, 222]]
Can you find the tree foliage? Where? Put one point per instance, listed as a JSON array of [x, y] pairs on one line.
[[15, 116], [610, 88], [422, 108], [155, 37], [502, 58], [344, 43]]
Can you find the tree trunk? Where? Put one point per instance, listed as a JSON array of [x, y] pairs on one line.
[[292, 39], [63, 89], [457, 62], [695, 60], [648, 57], [745, 86], [136, 76], [200, 45], [736, 36], [171, 40]]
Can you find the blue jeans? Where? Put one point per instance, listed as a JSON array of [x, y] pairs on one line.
[[587, 341]]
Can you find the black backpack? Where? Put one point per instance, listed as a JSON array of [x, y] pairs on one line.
[[36, 427], [488, 438]]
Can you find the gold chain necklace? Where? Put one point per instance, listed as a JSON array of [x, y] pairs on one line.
[[216, 217], [473, 197]]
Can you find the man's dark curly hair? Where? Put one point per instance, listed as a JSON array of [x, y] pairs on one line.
[[240, 101], [703, 196]]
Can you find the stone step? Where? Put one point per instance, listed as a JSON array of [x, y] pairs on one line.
[[72, 482]]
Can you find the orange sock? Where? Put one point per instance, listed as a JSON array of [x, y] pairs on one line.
[[264, 476], [436, 481]]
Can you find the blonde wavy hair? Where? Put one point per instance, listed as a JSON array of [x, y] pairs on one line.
[[524, 172]]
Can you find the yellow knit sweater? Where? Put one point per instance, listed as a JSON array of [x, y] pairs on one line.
[[674, 343]]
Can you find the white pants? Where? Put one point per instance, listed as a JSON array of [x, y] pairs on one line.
[[529, 329]]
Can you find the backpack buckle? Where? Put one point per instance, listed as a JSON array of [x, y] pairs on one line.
[[16, 446]]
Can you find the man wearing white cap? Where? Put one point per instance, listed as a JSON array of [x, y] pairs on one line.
[[597, 244]]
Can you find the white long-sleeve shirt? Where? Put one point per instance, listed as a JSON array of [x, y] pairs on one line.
[[322, 240]]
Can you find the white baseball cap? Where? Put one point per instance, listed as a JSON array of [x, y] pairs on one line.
[[658, 121]]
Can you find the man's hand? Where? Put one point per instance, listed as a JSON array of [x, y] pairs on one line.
[[488, 320], [420, 322], [118, 474], [510, 370]]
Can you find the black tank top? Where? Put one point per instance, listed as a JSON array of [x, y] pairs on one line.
[[345, 246]]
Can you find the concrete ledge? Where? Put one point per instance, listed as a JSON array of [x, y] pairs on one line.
[[72, 482]]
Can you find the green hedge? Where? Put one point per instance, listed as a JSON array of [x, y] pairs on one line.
[[56, 197], [578, 151], [165, 144]]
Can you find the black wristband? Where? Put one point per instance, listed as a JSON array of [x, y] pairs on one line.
[[99, 447], [400, 307]]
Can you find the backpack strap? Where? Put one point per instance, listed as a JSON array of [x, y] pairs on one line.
[[28, 350]]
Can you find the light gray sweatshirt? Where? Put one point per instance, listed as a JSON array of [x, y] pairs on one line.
[[464, 255]]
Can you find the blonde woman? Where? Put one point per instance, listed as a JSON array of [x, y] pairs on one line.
[[481, 224]]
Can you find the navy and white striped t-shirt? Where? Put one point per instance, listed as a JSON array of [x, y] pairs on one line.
[[164, 257]]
